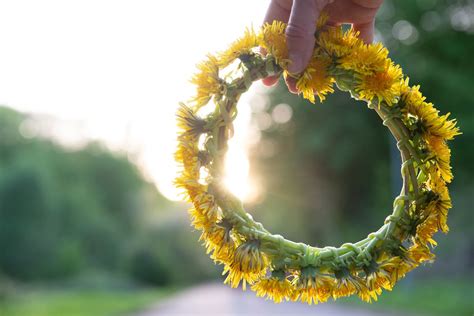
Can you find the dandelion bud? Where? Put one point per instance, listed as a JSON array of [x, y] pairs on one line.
[[249, 264]]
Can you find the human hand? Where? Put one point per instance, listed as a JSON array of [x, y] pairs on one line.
[[301, 17]]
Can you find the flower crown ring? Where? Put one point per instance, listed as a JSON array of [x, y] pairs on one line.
[[280, 269]]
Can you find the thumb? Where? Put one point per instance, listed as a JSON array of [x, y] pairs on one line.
[[300, 32]]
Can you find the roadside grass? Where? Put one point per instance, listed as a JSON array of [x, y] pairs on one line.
[[80, 302], [426, 297]]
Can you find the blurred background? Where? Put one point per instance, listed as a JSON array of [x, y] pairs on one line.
[[90, 223]]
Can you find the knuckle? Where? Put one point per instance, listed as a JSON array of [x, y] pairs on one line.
[[297, 31]]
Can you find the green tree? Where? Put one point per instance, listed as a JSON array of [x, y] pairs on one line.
[[64, 211]]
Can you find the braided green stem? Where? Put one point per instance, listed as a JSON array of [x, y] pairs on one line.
[[296, 255]]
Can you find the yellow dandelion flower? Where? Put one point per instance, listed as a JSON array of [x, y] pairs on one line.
[[275, 288], [208, 208], [378, 276], [420, 253], [249, 264], [368, 295], [218, 240], [249, 258], [241, 46], [382, 85], [338, 43], [205, 202], [198, 219], [390, 267], [187, 155], [442, 156], [312, 286], [410, 97], [219, 233], [315, 292], [434, 175], [189, 186], [322, 20], [315, 79], [196, 190], [189, 122], [404, 267], [397, 266], [273, 39], [440, 206], [347, 284], [366, 59], [187, 183], [234, 277], [207, 81], [432, 123], [224, 254], [414, 103], [426, 229], [442, 126]]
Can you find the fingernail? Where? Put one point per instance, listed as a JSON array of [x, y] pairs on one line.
[[291, 83], [296, 64]]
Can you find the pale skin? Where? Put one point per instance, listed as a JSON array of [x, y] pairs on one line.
[[301, 17]]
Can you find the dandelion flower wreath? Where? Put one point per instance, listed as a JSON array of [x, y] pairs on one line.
[[280, 269]]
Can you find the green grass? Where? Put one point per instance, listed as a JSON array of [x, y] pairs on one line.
[[79, 302], [427, 297]]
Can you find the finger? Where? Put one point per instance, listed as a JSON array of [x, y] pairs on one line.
[[300, 32], [366, 31], [278, 10]]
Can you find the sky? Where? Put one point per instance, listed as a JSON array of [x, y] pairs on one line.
[[115, 71]]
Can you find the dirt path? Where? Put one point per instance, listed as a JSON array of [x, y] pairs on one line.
[[217, 299]]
